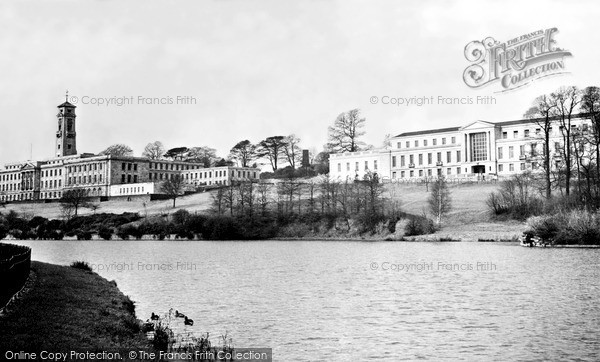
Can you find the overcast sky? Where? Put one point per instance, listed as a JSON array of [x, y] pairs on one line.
[[261, 68]]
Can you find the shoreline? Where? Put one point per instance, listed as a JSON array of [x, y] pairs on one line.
[[66, 308]]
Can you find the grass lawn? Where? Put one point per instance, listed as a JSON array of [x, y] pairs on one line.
[[67, 309], [469, 219]]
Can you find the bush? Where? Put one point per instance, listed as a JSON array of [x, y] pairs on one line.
[[419, 225], [84, 235], [3, 231], [574, 227], [180, 217], [81, 265], [105, 232], [516, 199]]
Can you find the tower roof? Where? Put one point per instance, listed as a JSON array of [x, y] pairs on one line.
[[66, 104]]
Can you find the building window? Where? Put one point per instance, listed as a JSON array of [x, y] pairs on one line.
[[425, 143], [420, 159], [500, 168], [412, 159], [511, 167], [398, 145], [511, 152], [534, 149], [457, 156], [407, 144], [366, 165], [347, 169], [504, 135], [412, 173], [339, 167], [449, 171], [393, 161], [522, 167], [515, 134], [500, 153], [416, 143], [429, 172], [448, 157], [420, 173], [526, 133], [479, 146], [443, 140], [375, 165], [355, 167], [429, 159], [434, 141], [401, 161], [522, 150], [394, 174], [439, 157], [122, 167], [453, 140], [458, 170], [402, 173]]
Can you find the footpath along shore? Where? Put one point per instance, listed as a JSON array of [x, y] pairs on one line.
[[69, 310]]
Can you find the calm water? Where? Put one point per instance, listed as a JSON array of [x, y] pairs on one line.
[[330, 301]]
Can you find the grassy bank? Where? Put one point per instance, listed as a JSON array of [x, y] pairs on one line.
[[68, 308], [469, 219]]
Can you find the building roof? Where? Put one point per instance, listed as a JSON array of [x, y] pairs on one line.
[[438, 130], [501, 124]]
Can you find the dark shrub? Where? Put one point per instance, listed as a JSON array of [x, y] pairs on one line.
[[105, 232], [81, 265], [419, 225], [84, 235], [3, 231], [180, 217], [123, 233]]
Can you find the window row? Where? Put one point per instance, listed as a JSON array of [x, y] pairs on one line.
[[357, 166], [85, 168], [91, 179], [434, 142], [430, 172]]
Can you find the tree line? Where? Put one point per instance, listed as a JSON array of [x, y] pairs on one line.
[[571, 169], [275, 151]]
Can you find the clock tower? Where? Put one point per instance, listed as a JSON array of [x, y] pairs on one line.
[[66, 140]]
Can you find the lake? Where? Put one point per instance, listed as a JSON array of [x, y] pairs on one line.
[[342, 301]]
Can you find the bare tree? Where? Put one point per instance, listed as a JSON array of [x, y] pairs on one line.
[[272, 149], [154, 150], [263, 191], [541, 112], [439, 201], [218, 201], [118, 150], [590, 103], [345, 133], [291, 150], [565, 101], [173, 187], [243, 152], [74, 199]]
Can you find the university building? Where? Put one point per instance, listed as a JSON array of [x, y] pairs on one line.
[[103, 175], [474, 151]]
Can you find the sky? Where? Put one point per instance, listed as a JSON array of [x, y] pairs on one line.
[[253, 69]]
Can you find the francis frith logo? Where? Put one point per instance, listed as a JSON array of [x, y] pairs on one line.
[[516, 62]]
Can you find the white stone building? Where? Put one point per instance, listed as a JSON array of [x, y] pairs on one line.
[[477, 150]]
